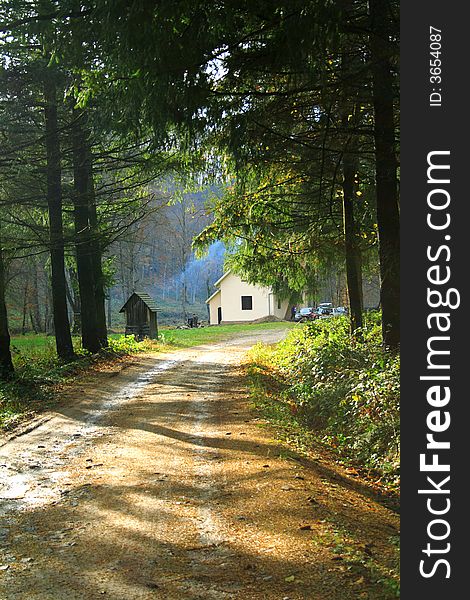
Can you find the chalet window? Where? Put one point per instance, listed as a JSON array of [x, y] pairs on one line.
[[279, 303], [247, 302]]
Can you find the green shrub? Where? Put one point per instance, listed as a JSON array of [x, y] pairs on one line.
[[124, 344], [344, 389]]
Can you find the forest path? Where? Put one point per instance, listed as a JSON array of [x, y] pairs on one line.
[[160, 483]]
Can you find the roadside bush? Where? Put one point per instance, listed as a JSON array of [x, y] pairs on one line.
[[344, 389], [124, 344]]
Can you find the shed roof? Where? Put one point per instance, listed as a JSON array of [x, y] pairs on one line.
[[146, 299]]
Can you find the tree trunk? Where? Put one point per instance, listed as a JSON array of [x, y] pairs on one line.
[[35, 310], [388, 213], [6, 364], [73, 297], [350, 62], [110, 312], [97, 258], [81, 199], [92, 274], [46, 315], [164, 283], [25, 309], [122, 279], [54, 202], [352, 250], [33, 322], [184, 298], [208, 294]]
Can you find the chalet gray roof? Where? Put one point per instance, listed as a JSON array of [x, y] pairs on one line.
[[146, 299]]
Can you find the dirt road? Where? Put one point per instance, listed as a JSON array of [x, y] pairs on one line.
[[157, 482]]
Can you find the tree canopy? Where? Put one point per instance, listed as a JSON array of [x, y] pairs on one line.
[[289, 105]]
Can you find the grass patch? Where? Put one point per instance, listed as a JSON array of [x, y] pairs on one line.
[[32, 346], [186, 338]]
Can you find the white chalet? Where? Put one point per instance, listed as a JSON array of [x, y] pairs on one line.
[[237, 301]]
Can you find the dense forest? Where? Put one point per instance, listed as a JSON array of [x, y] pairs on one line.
[[137, 138]]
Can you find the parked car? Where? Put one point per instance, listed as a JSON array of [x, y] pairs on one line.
[[306, 314], [325, 309], [340, 311]]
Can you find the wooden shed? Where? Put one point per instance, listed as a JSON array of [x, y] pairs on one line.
[[141, 316]]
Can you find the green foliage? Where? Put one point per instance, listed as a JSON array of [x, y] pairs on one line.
[[344, 389], [124, 344], [284, 144]]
